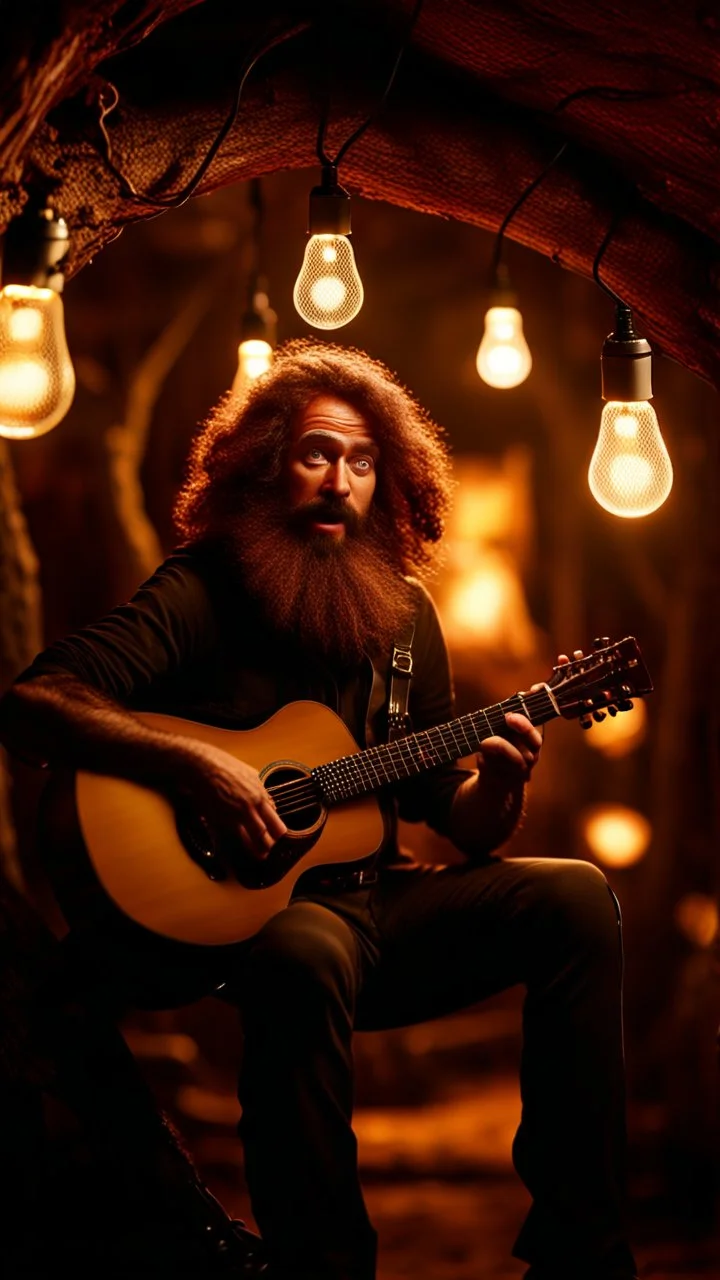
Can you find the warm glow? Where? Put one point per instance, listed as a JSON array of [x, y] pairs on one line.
[[25, 324], [254, 359], [627, 426], [37, 381], [328, 293], [630, 472], [616, 835], [478, 603], [328, 299], [23, 385], [486, 606], [503, 358], [618, 735], [697, 917]]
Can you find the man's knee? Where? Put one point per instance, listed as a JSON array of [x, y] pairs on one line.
[[572, 898], [303, 955]]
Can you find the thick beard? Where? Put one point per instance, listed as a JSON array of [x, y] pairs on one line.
[[339, 597]]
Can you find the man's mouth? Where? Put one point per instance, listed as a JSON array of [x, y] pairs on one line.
[[325, 524]]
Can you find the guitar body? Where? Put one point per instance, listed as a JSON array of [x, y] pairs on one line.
[[136, 845]]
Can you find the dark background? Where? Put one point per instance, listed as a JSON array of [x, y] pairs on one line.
[[153, 326]]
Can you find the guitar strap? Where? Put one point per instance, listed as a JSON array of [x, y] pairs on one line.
[[401, 668]]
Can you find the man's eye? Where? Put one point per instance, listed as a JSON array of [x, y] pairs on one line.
[[363, 465], [315, 455]]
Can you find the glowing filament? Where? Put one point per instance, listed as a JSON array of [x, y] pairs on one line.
[[37, 381], [255, 357], [503, 358], [328, 292], [630, 472]]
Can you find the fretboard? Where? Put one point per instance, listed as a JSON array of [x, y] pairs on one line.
[[376, 767]]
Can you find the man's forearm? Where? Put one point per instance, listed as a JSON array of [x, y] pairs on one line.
[[59, 721], [485, 813]]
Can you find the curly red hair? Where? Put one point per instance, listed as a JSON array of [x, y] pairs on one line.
[[243, 443]]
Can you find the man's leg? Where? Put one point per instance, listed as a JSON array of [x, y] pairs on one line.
[[297, 985], [451, 936]]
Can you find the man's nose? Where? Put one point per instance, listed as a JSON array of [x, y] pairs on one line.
[[336, 479]]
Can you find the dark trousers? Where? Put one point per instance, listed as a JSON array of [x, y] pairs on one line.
[[420, 943]]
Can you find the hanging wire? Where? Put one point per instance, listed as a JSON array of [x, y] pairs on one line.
[[264, 45], [607, 93], [600, 254], [322, 155], [497, 251]]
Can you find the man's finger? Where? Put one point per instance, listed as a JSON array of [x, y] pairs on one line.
[[525, 729], [252, 843], [272, 820]]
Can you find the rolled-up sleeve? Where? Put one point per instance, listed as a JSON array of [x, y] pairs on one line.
[[428, 797], [169, 621]]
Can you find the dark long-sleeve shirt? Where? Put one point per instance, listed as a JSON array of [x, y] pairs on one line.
[[191, 643]]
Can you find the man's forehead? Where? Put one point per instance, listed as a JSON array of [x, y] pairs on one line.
[[330, 413]]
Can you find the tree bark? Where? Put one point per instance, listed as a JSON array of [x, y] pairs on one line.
[[20, 631]]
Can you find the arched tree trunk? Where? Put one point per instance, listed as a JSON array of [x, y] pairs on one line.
[[20, 630]]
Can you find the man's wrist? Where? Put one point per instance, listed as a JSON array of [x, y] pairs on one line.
[[486, 809]]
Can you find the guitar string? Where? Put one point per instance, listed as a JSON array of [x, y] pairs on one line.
[[393, 752], [305, 789]]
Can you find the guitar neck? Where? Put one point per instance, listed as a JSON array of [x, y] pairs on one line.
[[376, 767]]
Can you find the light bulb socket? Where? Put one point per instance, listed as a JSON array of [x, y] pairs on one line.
[[258, 321], [35, 248], [259, 324], [329, 212], [626, 361], [500, 290]]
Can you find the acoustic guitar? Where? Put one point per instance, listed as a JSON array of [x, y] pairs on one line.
[[166, 869]]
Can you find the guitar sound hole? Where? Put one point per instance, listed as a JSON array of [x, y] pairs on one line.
[[298, 805]]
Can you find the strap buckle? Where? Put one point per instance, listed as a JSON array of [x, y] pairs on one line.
[[402, 661]]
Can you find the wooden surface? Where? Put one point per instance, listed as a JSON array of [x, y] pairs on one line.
[[478, 109]]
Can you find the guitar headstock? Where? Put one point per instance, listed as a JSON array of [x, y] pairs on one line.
[[604, 680]]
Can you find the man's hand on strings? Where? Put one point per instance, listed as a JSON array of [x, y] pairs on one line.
[[515, 753], [231, 796]]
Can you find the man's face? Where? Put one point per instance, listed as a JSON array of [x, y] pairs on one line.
[[330, 470]]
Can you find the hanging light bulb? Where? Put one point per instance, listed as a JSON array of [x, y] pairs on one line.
[[37, 380], [503, 359], [257, 340], [328, 292], [630, 471]]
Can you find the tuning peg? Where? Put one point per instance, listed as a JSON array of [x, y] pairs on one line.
[[585, 722], [601, 642], [612, 709], [624, 704], [598, 716]]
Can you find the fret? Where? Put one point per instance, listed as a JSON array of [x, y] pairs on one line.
[[458, 746], [471, 743], [415, 753], [371, 764], [426, 735], [437, 737], [402, 746], [496, 719]]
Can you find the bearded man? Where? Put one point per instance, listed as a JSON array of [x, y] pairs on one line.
[[309, 511]]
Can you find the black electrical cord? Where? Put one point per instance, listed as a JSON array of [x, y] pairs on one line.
[[261, 47], [497, 251], [608, 93], [321, 153]]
